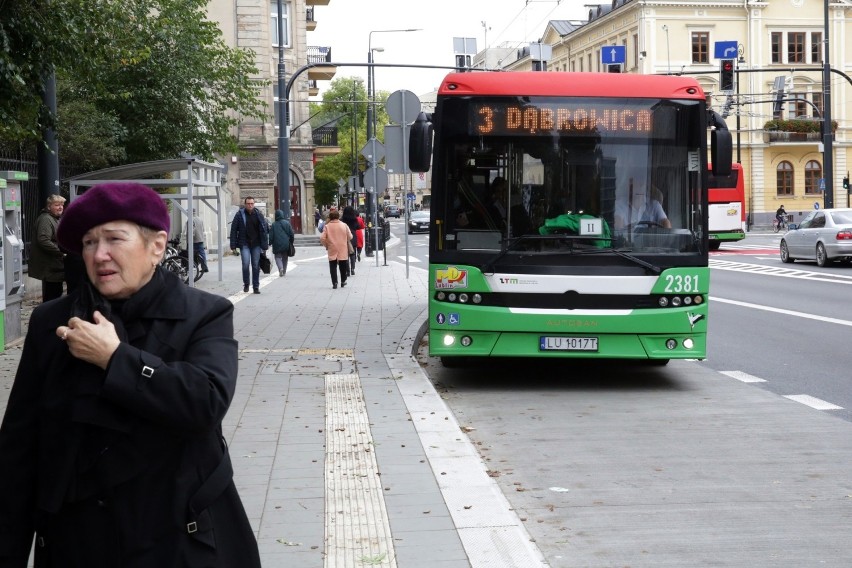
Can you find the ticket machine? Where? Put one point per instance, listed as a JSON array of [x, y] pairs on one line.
[[12, 260]]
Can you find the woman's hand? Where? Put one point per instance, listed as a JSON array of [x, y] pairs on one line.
[[92, 342]]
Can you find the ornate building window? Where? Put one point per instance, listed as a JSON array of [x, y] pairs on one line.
[[285, 9], [701, 47], [784, 179], [813, 173]]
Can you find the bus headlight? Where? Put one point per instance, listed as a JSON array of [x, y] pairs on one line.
[[671, 344], [449, 340], [463, 298], [477, 298], [688, 343], [466, 340]]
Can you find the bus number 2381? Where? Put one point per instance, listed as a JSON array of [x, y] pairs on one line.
[[681, 283]]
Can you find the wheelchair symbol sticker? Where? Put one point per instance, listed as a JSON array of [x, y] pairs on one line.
[[454, 319]]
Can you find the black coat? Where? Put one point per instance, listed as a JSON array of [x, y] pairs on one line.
[[125, 467]]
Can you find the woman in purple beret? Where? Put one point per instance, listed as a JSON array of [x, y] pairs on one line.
[[111, 449]]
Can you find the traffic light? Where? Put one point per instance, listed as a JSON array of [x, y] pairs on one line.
[[846, 182], [726, 75], [778, 103]]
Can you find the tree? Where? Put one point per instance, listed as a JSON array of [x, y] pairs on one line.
[[34, 35], [156, 75], [344, 104]]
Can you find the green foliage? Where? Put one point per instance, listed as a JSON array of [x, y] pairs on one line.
[[154, 77], [344, 105], [796, 125], [326, 175]]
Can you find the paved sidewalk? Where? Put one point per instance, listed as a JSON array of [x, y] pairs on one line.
[[344, 454]]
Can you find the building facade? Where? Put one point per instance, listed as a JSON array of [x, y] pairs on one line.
[[253, 25], [778, 43]]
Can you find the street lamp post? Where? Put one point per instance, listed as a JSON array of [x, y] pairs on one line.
[[283, 143], [370, 76], [372, 199], [828, 157]]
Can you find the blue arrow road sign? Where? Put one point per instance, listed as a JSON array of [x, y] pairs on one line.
[[725, 50], [612, 54]]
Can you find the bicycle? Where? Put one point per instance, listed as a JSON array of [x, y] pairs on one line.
[[176, 260], [780, 225]]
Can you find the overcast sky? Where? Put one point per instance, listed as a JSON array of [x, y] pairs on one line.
[[345, 26]]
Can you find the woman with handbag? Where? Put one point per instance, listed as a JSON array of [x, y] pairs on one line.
[[337, 238], [281, 236]]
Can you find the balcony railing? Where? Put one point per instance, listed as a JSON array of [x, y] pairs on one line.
[[317, 54], [325, 136]]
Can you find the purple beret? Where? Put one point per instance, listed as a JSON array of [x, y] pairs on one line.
[[123, 201]]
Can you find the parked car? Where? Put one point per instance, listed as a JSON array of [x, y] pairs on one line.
[[418, 221], [824, 235], [392, 211]]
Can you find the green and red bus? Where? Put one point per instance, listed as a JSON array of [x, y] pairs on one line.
[[726, 207], [569, 215]]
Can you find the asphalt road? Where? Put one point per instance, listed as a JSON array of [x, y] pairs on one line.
[[696, 463]]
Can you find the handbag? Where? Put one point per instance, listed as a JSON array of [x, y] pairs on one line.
[[265, 264], [350, 247], [292, 250]]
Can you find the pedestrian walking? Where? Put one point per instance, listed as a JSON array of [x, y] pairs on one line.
[[360, 236], [46, 262], [250, 235], [350, 218], [198, 247], [280, 237], [336, 239], [111, 449]]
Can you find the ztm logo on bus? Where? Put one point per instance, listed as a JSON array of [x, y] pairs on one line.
[[451, 277]]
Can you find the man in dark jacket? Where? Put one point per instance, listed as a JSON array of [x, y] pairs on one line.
[[250, 235], [46, 260]]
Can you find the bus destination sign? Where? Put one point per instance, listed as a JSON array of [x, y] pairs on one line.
[[558, 119]]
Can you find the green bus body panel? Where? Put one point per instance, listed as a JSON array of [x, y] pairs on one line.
[[730, 236], [641, 334]]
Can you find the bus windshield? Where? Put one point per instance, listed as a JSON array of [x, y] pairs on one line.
[[567, 175]]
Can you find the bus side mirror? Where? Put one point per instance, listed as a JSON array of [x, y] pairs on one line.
[[420, 144], [721, 151]]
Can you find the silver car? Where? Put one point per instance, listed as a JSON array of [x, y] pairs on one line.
[[824, 235]]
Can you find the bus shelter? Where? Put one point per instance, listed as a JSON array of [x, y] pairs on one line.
[[197, 183]]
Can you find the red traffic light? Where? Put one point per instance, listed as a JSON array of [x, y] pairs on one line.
[[726, 75]]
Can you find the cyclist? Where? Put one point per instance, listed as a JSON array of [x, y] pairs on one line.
[[780, 217]]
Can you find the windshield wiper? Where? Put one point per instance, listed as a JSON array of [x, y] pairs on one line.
[[557, 238], [625, 254]]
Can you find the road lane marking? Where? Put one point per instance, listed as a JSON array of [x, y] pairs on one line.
[[813, 402], [744, 377], [782, 311], [783, 271]]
